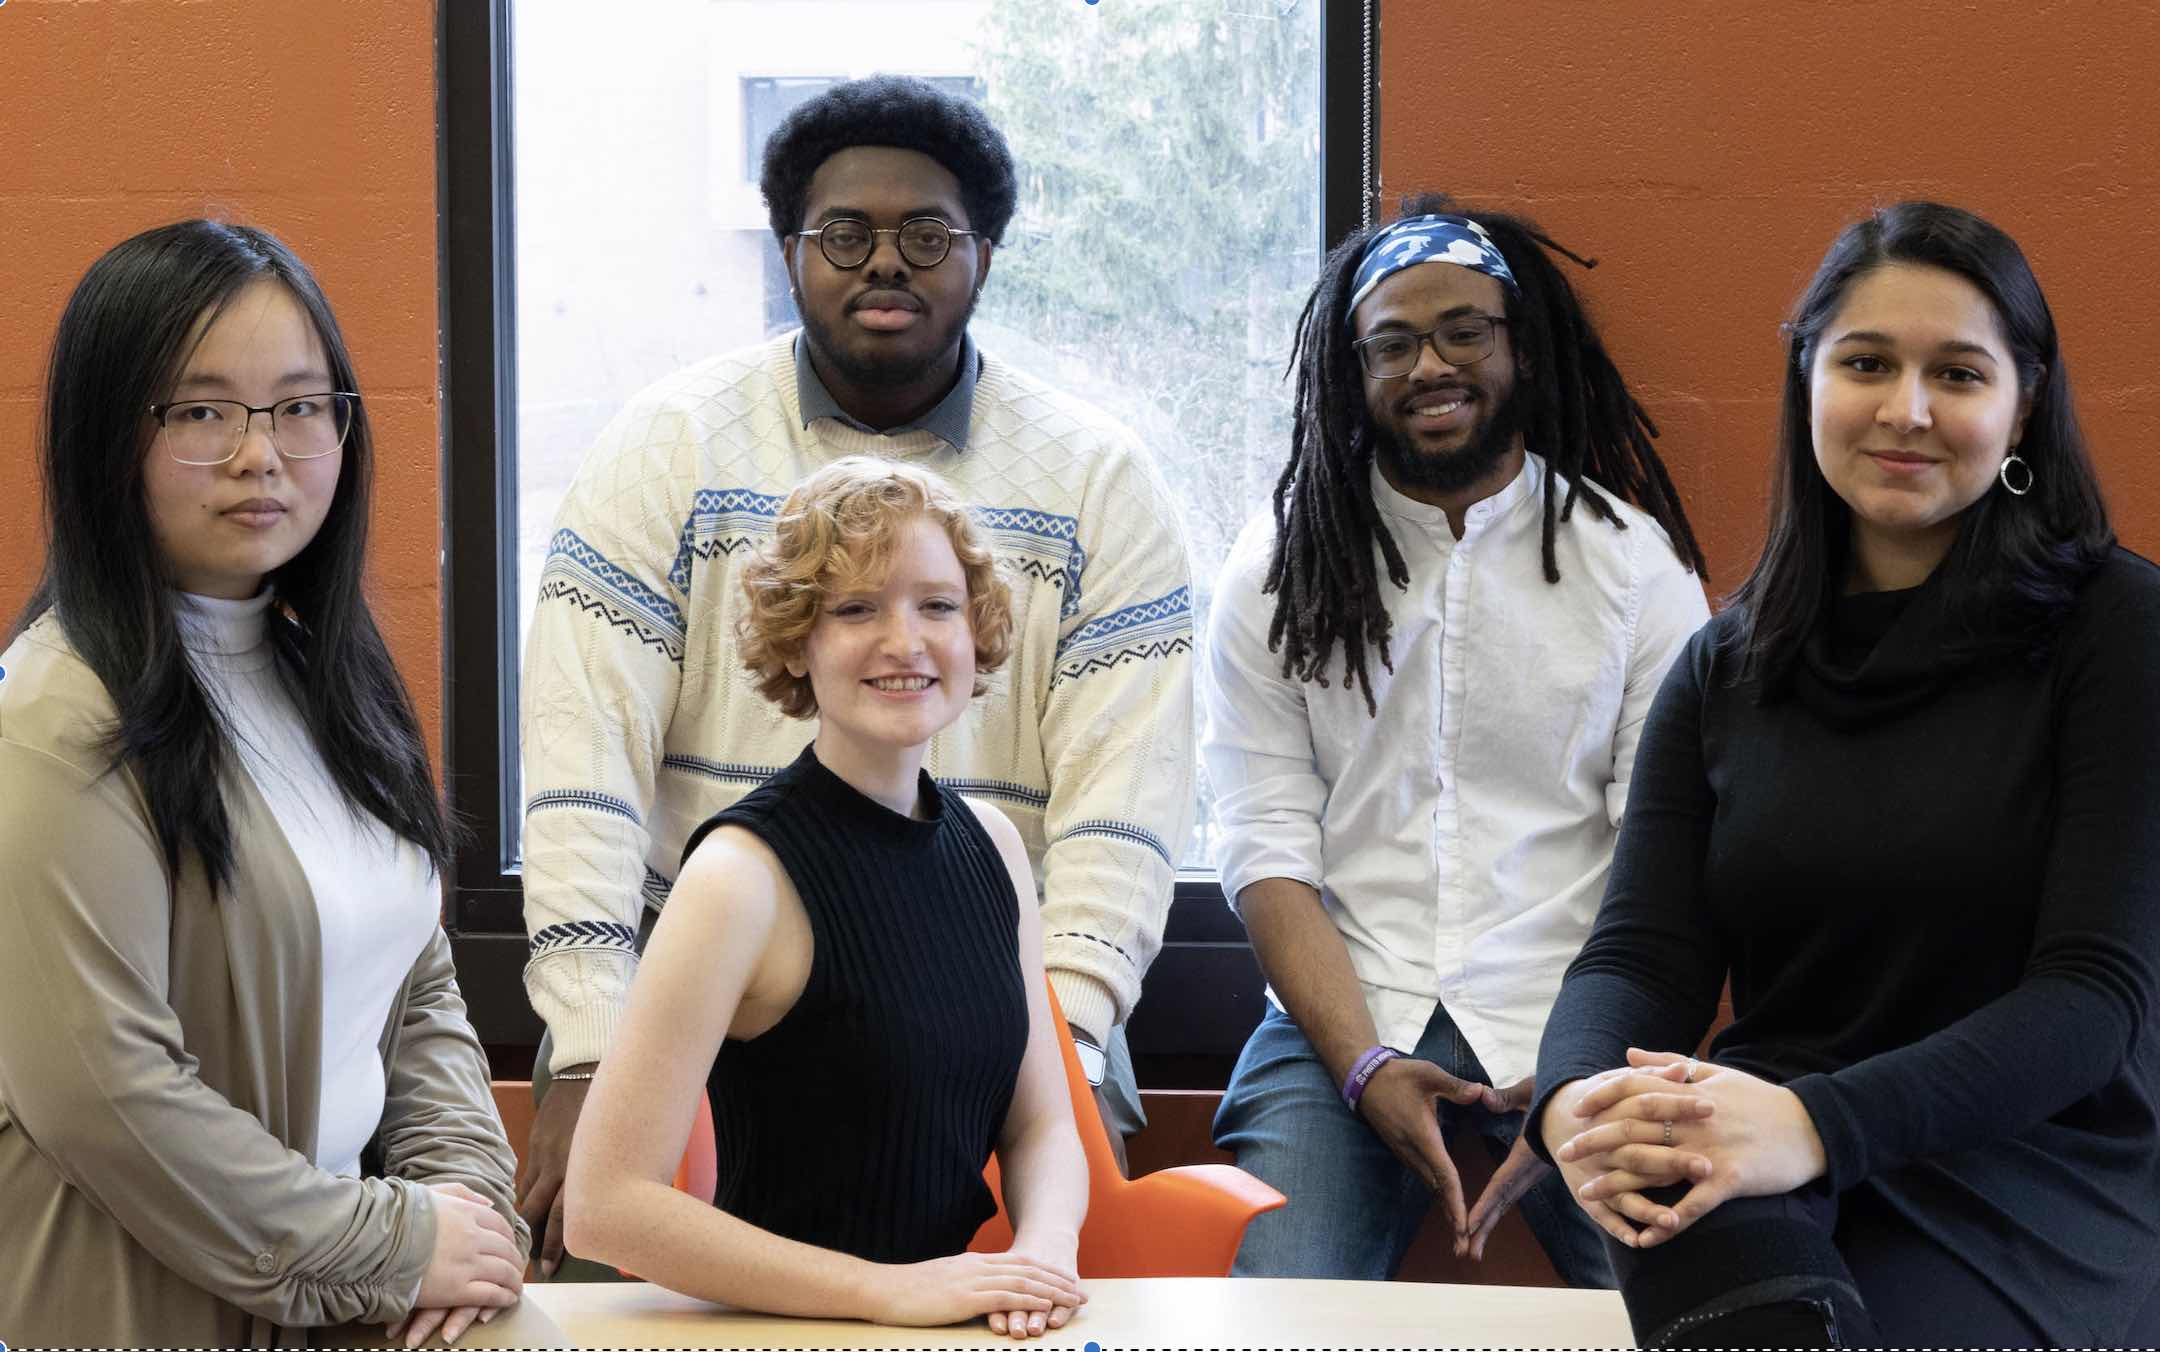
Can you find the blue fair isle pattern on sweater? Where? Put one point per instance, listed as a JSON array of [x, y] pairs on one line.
[[592, 934], [580, 574], [1043, 545], [1165, 615], [656, 886], [726, 772], [1120, 831], [599, 802], [1150, 629], [1000, 788], [722, 520], [1145, 652]]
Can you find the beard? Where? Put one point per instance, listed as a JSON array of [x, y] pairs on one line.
[[887, 371], [1453, 471]]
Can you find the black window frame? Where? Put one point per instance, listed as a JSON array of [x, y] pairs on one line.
[[1214, 972]]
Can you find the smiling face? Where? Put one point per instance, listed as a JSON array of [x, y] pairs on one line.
[[1443, 429], [894, 664], [1914, 401], [886, 326], [222, 529]]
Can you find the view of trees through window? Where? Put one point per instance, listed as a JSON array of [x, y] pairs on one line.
[[1168, 229]]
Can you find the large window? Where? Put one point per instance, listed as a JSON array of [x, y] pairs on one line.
[[1183, 163]]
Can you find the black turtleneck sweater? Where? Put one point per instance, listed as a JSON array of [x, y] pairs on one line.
[[861, 1121], [1935, 883]]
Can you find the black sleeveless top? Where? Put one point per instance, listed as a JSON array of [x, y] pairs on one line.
[[862, 1120]]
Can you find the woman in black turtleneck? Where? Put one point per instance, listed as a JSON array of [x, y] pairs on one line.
[[1905, 791], [851, 965]]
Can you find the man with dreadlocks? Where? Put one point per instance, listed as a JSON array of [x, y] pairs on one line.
[[1419, 779]]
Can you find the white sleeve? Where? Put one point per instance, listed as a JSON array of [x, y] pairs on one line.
[[1269, 796]]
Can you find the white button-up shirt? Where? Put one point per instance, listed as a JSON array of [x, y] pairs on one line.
[[1461, 838]]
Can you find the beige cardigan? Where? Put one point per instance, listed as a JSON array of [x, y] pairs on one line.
[[159, 1065]]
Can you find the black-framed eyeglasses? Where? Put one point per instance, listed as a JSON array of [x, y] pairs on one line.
[[847, 243], [1464, 340], [210, 431]]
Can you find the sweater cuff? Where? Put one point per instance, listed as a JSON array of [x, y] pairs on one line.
[[1541, 1098], [581, 998], [1088, 1004], [1844, 1145]]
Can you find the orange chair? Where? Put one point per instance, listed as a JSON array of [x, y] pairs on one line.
[[1181, 1222], [698, 1174]]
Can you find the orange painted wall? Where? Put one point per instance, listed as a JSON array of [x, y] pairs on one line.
[[1706, 152], [314, 121]]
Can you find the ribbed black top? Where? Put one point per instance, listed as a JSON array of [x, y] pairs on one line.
[[1935, 883], [862, 1120]]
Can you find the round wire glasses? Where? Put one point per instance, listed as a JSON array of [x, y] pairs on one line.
[[847, 243]]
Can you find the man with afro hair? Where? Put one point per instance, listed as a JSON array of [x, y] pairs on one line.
[[889, 198]]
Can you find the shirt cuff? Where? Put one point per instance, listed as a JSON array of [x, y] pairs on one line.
[[1089, 1006]]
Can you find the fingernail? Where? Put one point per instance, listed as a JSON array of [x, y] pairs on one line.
[[488, 1314]]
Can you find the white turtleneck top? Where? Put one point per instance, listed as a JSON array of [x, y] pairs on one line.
[[376, 898]]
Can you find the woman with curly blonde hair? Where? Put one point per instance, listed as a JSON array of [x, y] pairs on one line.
[[850, 966]]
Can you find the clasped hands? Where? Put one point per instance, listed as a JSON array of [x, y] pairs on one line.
[[1665, 1119]]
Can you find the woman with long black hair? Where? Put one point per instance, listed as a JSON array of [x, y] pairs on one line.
[[238, 1092], [1902, 792]]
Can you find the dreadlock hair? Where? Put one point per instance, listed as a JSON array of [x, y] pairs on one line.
[[1577, 413]]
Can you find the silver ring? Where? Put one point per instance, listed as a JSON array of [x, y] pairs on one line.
[[1668, 1133]]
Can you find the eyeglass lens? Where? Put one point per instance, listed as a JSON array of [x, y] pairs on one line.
[[209, 431], [924, 242], [1460, 342]]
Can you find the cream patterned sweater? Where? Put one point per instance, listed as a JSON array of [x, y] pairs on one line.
[[639, 721]]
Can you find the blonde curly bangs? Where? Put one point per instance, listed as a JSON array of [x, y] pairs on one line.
[[835, 534]]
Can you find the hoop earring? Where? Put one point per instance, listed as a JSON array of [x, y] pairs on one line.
[[2003, 473]]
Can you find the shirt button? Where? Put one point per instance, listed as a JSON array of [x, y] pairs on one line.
[[265, 1262]]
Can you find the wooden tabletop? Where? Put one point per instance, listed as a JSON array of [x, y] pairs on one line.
[[1152, 1313]]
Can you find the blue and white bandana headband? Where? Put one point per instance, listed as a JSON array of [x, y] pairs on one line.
[[1427, 239]]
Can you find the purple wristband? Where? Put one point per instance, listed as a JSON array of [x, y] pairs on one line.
[[1361, 1074]]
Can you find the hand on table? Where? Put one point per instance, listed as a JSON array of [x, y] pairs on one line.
[[415, 1328], [968, 1285], [472, 1273], [547, 1159], [1728, 1133], [1058, 1257]]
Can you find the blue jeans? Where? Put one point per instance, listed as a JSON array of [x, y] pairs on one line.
[[1354, 1207]]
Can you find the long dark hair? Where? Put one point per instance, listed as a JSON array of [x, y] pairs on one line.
[[123, 341], [2017, 563], [1578, 415]]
